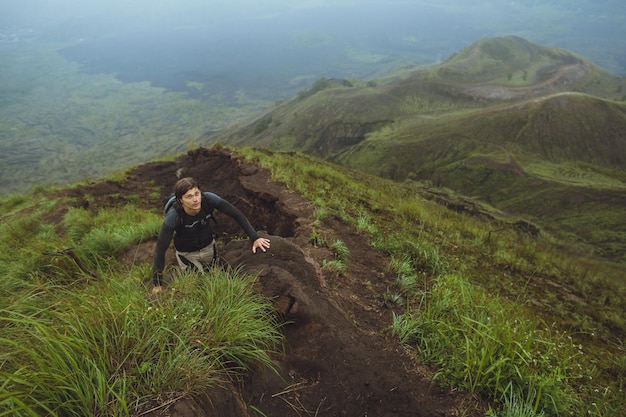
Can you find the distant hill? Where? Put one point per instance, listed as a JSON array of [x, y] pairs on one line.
[[537, 132]]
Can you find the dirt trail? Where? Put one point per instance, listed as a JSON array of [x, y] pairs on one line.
[[338, 360]]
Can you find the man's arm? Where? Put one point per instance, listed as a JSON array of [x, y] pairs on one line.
[[163, 242], [225, 207]]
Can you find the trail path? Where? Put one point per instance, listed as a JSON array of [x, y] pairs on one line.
[[338, 360]]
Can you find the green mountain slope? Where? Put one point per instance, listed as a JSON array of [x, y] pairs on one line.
[[334, 115], [534, 131], [494, 312]]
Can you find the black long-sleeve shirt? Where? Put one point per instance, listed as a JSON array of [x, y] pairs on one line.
[[192, 233]]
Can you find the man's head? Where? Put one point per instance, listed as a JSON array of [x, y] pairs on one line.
[[183, 185], [188, 195]]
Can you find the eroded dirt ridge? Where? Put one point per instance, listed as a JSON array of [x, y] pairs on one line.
[[337, 359]]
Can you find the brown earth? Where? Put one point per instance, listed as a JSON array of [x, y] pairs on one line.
[[338, 359]]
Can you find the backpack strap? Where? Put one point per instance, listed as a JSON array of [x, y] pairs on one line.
[[169, 203]]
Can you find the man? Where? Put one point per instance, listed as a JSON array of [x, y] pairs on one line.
[[188, 223]]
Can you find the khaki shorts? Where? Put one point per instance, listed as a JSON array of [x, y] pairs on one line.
[[202, 259]]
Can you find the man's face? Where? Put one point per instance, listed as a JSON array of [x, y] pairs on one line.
[[191, 201]]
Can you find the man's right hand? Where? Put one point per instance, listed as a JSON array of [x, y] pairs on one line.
[[157, 289]]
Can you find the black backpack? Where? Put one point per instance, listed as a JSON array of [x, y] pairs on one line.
[[168, 203]]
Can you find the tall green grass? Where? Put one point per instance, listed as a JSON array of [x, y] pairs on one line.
[[80, 335], [484, 345], [108, 349], [42, 253], [110, 231]]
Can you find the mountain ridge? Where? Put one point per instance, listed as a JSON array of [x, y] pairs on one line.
[[425, 90], [501, 117]]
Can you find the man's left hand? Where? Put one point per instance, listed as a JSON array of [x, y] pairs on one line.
[[261, 243]]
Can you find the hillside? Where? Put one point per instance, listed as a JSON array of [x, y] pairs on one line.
[[332, 324], [504, 122], [335, 114], [488, 273], [368, 278]]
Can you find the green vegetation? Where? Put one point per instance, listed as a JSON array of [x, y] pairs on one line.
[[515, 294], [512, 317], [508, 60], [341, 254], [318, 85], [59, 125], [80, 336], [493, 310], [532, 131], [496, 353]]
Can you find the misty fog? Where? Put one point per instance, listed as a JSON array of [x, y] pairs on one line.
[[274, 48]]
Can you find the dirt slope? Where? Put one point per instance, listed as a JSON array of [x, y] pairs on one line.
[[337, 360]]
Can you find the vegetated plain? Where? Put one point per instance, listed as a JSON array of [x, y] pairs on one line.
[[60, 125]]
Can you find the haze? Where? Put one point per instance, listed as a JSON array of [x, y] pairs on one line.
[[274, 48], [88, 87]]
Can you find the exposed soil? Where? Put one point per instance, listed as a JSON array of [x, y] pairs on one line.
[[338, 359], [562, 77]]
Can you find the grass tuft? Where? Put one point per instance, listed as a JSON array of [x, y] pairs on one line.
[[110, 350]]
